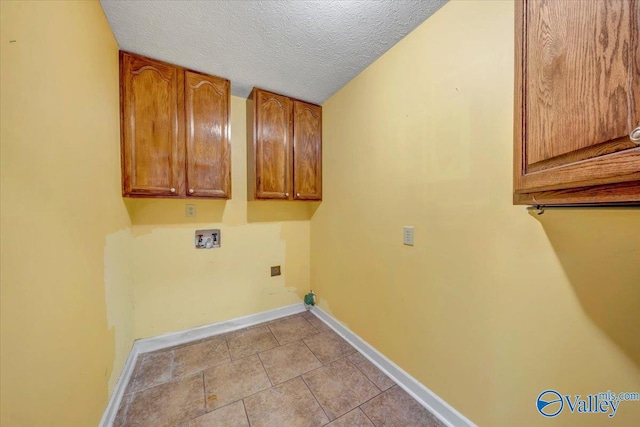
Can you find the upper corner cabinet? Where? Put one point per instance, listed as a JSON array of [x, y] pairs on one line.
[[577, 102], [284, 150], [175, 131]]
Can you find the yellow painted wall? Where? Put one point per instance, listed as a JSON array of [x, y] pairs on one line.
[[77, 258], [179, 287], [492, 305], [66, 305]]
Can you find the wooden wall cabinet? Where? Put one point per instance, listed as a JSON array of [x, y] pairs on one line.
[[175, 131], [284, 148], [577, 102]]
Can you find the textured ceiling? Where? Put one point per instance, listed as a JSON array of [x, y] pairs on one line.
[[306, 49]]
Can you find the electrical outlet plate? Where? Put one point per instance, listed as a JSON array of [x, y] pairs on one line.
[[407, 235], [207, 239], [190, 211], [275, 270]]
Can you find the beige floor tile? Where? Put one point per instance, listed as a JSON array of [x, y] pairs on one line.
[[199, 356], [355, 418], [151, 369], [291, 316], [315, 322], [328, 346], [340, 387], [292, 329], [395, 408], [289, 404], [378, 377], [279, 319], [288, 361], [232, 415], [246, 342], [167, 404], [235, 367], [233, 381]]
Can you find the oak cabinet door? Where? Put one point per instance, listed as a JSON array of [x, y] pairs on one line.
[[577, 100], [272, 133], [152, 127], [208, 151], [307, 151]]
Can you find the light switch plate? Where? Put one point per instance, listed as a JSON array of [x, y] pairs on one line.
[[407, 235]]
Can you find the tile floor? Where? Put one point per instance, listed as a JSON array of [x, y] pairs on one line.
[[293, 371]]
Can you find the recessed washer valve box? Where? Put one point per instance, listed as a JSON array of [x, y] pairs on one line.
[[207, 239]]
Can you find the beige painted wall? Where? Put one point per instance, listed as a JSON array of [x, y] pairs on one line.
[[179, 287], [492, 305], [66, 308]]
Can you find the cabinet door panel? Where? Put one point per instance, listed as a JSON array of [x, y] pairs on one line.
[[273, 146], [578, 72], [152, 154], [307, 151], [207, 136]]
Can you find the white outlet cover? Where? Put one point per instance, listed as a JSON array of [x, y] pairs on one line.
[[407, 235], [190, 211]]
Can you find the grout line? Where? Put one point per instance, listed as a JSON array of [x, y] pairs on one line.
[[225, 405], [263, 390], [357, 365], [249, 355], [364, 375], [320, 367], [312, 353], [310, 324], [316, 399], [204, 394], [252, 394], [234, 401], [377, 395], [252, 354], [274, 335], [246, 414], [365, 414], [265, 369], [226, 342]]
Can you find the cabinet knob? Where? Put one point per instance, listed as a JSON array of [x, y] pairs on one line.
[[635, 135], [297, 194], [286, 194], [173, 190], [191, 191]]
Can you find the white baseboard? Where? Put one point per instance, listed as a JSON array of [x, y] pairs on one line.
[[436, 405], [109, 415], [146, 345]]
